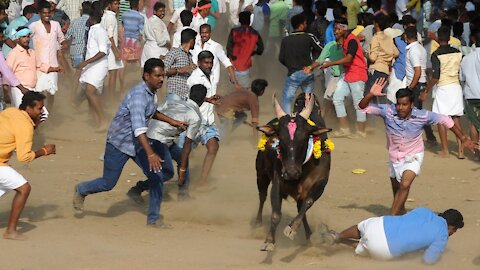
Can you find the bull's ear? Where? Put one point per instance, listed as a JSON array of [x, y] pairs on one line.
[[320, 130], [267, 130]]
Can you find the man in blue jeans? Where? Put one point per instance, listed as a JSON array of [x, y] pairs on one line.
[[127, 133], [295, 53], [161, 136]]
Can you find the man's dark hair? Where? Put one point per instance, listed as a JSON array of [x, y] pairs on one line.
[[443, 33], [339, 12], [375, 5], [186, 17], [86, 7], [151, 64], [133, 4], [21, 28], [321, 8], [203, 3], [30, 99], [368, 19], [476, 36], [297, 20], [408, 19], [382, 21], [187, 35], [453, 217], [447, 23], [205, 25], [205, 55], [30, 9], [158, 5], [341, 20], [393, 18], [458, 29], [404, 92], [258, 86], [244, 17], [452, 14], [97, 10], [411, 32], [43, 4], [198, 92], [96, 15]]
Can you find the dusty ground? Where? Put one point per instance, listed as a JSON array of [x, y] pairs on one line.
[[213, 231]]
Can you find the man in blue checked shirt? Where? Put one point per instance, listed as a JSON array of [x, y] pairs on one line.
[[390, 237], [127, 133]]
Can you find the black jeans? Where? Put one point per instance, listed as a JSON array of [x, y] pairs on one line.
[[419, 88]]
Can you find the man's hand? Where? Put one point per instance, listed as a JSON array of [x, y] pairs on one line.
[[179, 125], [82, 65], [237, 86], [377, 87], [186, 69], [181, 176], [325, 65], [470, 144], [154, 163], [307, 69], [423, 96], [117, 55], [215, 99], [50, 149]]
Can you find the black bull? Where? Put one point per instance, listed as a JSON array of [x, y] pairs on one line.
[[284, 166]]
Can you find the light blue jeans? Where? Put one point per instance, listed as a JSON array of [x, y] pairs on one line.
[[243, 78], [293, 82], [343, 90]]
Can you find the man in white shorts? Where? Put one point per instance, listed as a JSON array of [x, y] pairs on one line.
[[95, 67], [404, 124], [389, 237], [16, 134]]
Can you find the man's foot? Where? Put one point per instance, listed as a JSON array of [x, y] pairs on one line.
[[101, 128], [342, 132], [14, 236], [136, 196], [160, 225], [325, 236], [78, 200], [358, 135], [444, 154], [184, 197], [431, 144]]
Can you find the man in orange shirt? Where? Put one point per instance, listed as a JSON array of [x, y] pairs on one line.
[[16, 134], [22, 61]]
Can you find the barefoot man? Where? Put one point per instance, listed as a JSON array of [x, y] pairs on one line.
[[16, 134], [404, 124]]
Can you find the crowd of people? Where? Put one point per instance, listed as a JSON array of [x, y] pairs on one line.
[[387, 56]]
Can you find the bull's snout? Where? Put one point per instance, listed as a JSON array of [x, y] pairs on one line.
[[291, 173]]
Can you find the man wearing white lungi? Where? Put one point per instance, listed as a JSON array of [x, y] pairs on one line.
[[95, 67], [156, 35]]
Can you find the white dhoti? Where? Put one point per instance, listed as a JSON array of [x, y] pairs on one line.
[[95, 74], [152, 50], [448, 100], [373, 241], [17, 95], [47, 82]]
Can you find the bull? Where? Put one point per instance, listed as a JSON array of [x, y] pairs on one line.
[[283, 163]]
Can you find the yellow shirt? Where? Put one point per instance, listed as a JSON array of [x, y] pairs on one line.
[[16, 133], [357, 30], [455, 42]]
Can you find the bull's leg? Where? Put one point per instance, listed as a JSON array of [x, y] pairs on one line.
[[291, 230], [306, 226], [263, 181], [276, 201]]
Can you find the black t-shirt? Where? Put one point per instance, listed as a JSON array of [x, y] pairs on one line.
[[352, 47]]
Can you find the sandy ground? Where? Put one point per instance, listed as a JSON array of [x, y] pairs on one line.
[[213, 231]]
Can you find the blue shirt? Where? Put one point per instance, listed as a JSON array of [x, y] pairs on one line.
[[419, 229], [131, 119], [133, 22], [76, 33], [399, 65], [329, 33]]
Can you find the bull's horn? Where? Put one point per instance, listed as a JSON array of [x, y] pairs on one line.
[[279, 112], [305, 113]]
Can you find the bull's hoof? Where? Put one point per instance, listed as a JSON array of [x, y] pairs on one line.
[[268, 247], [289, 232]]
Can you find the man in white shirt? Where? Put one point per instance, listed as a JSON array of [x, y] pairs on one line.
[[95, 67], [206, 43], [157, 39], [200, 14], [110, 24], [186, 17], [470, 75], [175, 22], [208, 135], [416, 78]]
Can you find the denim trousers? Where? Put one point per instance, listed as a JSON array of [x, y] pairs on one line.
[[155, 180], [293, 82], [113, 163], [342, 91]]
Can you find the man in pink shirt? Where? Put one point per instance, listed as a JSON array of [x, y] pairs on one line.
[[22, 61], [404, 127], [47, 35]]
